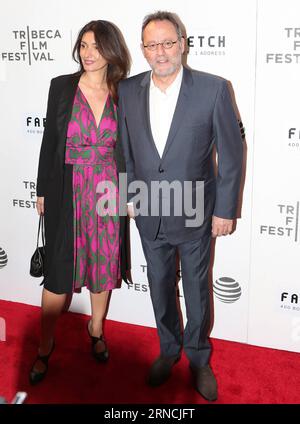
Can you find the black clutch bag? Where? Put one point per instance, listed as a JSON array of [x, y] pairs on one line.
[[38, 258]]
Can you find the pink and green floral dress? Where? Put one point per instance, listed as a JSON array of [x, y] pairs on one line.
[[96, 235]]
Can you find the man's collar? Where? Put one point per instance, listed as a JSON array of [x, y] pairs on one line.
[[175, 85]]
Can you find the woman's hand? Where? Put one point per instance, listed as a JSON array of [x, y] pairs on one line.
[[40, 205]]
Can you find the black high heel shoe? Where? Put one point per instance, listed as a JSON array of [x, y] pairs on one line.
[[37, 376], [99, 356]]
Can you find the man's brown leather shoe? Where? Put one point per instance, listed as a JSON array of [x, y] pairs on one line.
[[205, 382], [161, 370]]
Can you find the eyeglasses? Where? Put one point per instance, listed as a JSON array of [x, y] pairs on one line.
[[168, 44]]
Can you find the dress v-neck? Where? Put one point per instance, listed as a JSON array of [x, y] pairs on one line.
[[92, 112]]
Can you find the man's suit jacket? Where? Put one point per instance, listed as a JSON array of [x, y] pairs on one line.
[[204, 117]]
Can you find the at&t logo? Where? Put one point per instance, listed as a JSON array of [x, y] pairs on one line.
[[3, 258], [227, 290]]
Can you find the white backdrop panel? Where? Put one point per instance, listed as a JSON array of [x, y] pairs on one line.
[[37, 42], [274, 318]]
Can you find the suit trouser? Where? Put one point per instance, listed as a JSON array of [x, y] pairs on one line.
[[161, 271]]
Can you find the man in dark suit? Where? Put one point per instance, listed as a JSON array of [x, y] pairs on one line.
[[169, 121]]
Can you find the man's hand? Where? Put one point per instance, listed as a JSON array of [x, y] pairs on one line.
[[221, 226], [40, 205], [130, 211]]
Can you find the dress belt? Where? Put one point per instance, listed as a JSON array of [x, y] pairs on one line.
[[89, 155]]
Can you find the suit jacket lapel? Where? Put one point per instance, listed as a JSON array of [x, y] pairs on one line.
[[181, 107], [145, 109], [64, 112]]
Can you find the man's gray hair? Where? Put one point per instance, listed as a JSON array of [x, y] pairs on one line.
[[161, 15]]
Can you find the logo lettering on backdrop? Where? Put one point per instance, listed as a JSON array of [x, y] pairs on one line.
[[209, 45], [292, 55], [30, 202], [35, 124], [144, 287], [290, 300], [289, 223], [294, 138], [33, 45]]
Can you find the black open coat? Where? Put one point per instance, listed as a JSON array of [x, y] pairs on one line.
[[54, 183]]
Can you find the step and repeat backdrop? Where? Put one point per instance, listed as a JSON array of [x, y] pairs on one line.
[[253, 44]]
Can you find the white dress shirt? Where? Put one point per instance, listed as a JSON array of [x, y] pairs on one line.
[[161, 107]]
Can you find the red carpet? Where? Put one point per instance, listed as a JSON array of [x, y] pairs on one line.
[[245, 374]]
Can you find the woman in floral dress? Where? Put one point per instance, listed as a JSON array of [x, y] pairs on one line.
[[80, 156]]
